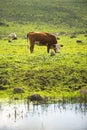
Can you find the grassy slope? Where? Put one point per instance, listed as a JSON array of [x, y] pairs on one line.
[[58, 15], [61, 75]]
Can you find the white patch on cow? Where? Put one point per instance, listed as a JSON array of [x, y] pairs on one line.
[[58, 46], [37, 42], [52, 53]]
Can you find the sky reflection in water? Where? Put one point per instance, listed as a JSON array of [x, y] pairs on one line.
[[24, 116]]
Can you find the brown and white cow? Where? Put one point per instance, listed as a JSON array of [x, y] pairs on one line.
[[43, 39]]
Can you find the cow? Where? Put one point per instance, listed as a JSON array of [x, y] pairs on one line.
[[43, 39], [12, 36]]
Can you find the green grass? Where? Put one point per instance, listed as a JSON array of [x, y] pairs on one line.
[[22, 16], [62, 75]]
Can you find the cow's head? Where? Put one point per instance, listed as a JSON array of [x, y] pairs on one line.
[[57, 47]]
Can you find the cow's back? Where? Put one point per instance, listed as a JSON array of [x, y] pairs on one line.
[[44, 38], [51, 39]]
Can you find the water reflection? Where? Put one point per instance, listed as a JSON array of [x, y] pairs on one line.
[[21, 115]]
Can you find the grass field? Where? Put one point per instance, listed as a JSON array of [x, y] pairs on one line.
[[22, 16], [62, 75]]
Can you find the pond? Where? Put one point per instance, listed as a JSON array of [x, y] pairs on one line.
[[21, 115]]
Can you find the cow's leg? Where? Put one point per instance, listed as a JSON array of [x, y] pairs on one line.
[[31, 48], [48, 49]]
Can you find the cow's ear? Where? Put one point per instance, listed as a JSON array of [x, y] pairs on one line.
[[61, 45]]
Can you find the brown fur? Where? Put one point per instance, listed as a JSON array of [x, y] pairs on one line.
[[42, 39]]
